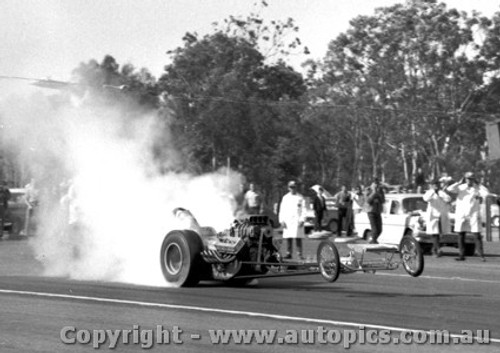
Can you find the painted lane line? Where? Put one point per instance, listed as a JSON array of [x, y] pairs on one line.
[[222, 311]]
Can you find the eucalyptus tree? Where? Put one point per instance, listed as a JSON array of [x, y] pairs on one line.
[[227, 103], [407, 72]]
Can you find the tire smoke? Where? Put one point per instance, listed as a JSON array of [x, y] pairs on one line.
[[124, 202]]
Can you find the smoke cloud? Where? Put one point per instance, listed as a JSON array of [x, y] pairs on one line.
[[126, 203]]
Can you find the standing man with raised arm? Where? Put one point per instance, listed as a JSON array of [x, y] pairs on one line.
[[467, 219], [375, 206]]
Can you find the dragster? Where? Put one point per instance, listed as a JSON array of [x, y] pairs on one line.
[[249, 249]]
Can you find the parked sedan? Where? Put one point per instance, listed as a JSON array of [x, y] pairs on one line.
[[16, 212], [404, 214]]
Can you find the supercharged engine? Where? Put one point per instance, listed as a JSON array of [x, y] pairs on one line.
[[249, 241]]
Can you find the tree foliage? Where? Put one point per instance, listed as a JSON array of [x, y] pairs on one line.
[[409, 86], [123, 85], [226, 101], [408, 74]]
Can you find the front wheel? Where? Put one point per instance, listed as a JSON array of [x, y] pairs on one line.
[[412, 256], [180, 258], [328, 261]]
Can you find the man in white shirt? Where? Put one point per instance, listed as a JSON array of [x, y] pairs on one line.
[[358, 200], [253, 201], [32, 202], [437, 219], [291, 218], [467, 219]]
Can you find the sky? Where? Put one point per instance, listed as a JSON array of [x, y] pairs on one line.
[[50, 38]]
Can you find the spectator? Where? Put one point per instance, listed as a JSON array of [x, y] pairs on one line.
[[4, 204], [75, 228], [343, 201], [419, 180], [358, 204], [319, 207], [375, 205], [32, 199], [437, 219], [252, 203], [349, 221], [71, 203], [467, 218], [358, 199], [291, 218]]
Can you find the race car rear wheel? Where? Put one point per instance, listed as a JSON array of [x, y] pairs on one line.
[[412, 256], [180, 258], [328, 261]]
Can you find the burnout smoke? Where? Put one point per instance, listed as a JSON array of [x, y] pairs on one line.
[[126, 205]]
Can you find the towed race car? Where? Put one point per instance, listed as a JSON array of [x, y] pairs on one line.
[[249, 249]]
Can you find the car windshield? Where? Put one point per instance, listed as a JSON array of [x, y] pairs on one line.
[[414, 204]]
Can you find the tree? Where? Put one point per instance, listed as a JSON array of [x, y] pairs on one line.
[[276, 40], [134, 91], [226, 104], [409, 69]]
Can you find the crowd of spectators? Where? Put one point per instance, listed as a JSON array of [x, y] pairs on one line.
[[468, 193]]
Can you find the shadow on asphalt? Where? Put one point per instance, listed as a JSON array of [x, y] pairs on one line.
[[308, 287], [455, 254], [303, 286]]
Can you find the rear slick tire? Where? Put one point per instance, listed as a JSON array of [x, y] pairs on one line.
[[180, 258]]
